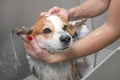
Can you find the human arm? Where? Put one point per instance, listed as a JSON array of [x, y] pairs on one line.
[[96, 40], [90, 8]]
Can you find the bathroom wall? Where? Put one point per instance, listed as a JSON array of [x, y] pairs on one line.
[[17, 13]]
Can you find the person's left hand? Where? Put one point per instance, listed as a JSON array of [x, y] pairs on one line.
[[35, 51]]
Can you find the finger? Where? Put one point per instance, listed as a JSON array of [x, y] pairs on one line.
[[35, 46], [53, 10], [29, 50], [43, 13], [27, 45], [37, 51], [31, 53]]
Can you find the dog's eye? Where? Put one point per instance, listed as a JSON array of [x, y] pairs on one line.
[[65, 27], [47, 31]]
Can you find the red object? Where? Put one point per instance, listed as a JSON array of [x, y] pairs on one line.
[[30, 37]]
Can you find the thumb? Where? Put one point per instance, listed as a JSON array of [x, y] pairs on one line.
[[34, 43]]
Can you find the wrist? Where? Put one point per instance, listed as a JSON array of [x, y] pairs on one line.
[[71, 14], [56, 58]]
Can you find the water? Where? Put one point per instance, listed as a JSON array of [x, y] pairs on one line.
[[14, 51]]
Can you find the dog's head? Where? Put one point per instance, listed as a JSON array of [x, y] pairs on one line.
[[54, 33]]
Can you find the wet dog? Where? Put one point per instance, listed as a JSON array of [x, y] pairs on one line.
[[55, 34]]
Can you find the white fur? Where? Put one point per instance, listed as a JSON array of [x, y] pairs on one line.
[[53, 45], [59, 71], [56, 21], [45, 71]]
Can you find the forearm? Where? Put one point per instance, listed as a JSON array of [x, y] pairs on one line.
[[94, 42], [88, 9]]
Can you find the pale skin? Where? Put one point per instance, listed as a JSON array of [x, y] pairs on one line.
[[95, 41]]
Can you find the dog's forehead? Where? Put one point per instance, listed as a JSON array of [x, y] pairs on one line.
[[56, 21]]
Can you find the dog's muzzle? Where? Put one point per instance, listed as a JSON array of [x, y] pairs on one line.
[[65, 39]]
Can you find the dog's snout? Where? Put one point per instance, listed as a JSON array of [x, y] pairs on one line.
[[65, 39]]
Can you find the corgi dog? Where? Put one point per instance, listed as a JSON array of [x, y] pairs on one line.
[[55, 34]]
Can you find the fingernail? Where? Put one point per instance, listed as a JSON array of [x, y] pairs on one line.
[[30, 37], [47, 14], [41, 14]]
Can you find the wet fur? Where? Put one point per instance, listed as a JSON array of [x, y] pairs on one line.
[[42, 70]]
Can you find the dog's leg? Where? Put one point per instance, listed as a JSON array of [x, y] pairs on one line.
[[86, 61], [74, 70]]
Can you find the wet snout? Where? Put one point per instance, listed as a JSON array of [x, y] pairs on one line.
[[65, 39]]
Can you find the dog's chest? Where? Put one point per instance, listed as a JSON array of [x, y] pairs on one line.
[[60, 71], [45, 71]]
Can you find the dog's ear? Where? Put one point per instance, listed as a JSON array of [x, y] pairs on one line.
[[77, 25]]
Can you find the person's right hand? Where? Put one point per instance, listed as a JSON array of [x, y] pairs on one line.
[[57, 10]]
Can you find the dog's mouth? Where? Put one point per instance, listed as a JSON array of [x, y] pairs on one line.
[[64, 48]]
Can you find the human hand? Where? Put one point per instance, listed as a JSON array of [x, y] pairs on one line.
[[32, 49], [58, 10]]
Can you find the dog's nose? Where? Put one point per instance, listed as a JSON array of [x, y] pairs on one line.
[[65, 39]]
